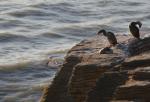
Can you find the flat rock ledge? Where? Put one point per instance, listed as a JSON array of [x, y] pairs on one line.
[[88, 76]]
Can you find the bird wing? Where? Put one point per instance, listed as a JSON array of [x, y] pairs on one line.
[[134, 31], [111, 38]]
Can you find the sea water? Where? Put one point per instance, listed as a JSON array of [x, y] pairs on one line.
[[32, 31]]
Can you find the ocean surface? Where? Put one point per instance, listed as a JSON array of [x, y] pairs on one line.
[[33, 31]]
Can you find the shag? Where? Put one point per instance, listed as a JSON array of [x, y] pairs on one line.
[[110, 36], [134, 29]]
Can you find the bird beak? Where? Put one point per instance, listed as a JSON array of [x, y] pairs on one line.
[[139, 23]]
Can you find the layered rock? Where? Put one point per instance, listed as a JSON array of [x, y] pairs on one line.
[[88, 76], [131, 84], [137, 87]]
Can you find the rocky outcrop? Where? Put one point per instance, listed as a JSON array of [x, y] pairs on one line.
[[127, 81], [88, 76], [137, 87]]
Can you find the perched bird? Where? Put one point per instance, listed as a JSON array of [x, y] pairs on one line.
[[134, 29], [110, 36]]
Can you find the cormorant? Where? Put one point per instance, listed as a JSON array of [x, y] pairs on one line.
[[110, 36], [134, 29]]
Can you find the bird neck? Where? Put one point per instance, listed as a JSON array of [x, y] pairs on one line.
[[104, 33]]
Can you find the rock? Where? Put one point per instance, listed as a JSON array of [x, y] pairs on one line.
[[142, 73], [137, 47], [106, 50], [54, 62], [87, 76], [106, 85], [57, 91], [135, 90], [142, 60]]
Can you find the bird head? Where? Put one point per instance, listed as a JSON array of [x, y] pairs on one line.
[[136, 23], [139, 23], [102, 31]]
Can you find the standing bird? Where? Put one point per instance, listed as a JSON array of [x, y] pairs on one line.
[[110, 36], [134, 29]]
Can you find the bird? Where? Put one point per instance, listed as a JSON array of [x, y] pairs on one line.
[[134, 29], [110, 36]]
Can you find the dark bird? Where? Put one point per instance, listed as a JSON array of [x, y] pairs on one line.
[[110, 36], [134, 29]]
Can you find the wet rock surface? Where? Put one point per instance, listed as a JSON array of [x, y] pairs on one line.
[[88, 76]]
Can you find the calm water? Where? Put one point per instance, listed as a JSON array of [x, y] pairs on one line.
[[33, 30]]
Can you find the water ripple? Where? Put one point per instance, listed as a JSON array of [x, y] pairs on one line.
[[25, 13], [6, 37]]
